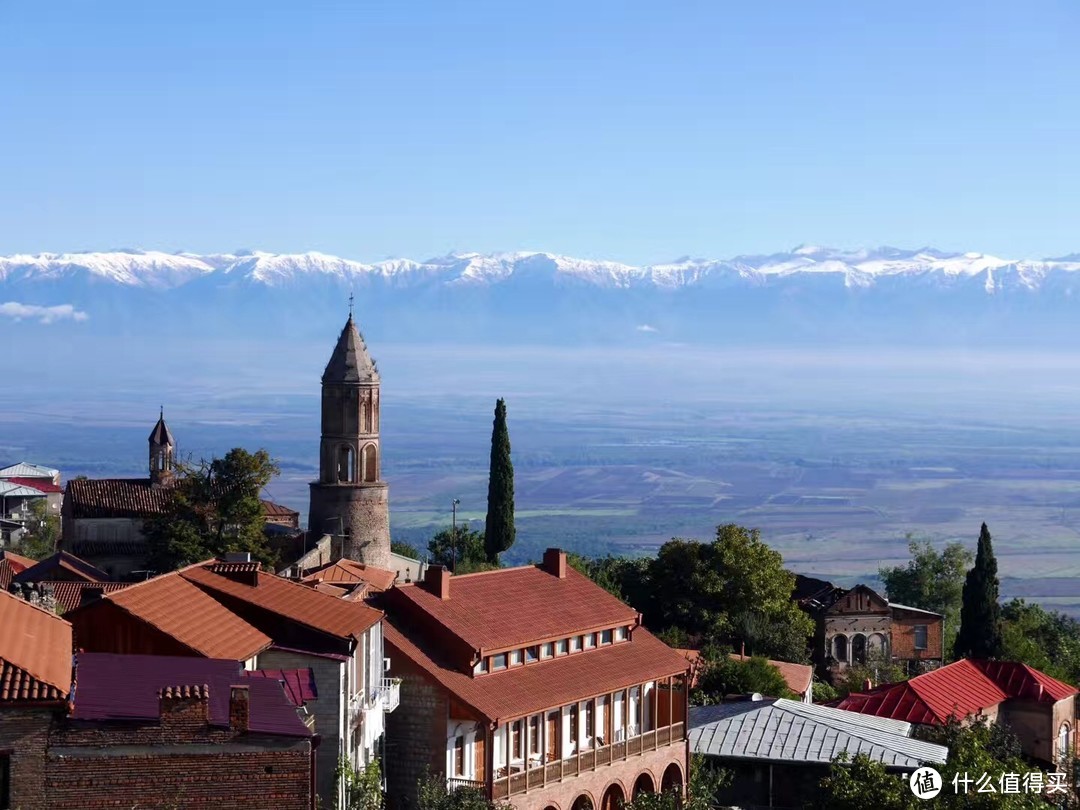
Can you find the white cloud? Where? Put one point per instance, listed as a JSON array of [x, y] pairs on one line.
[[646, 328], [60, 312]]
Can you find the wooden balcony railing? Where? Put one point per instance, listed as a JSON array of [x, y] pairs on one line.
[[537, 775], [453, 783]]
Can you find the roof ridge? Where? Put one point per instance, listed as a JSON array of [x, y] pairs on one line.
[[47, 612], [496, 571]]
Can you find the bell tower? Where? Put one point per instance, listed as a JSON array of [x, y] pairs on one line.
[[162, 452], [350, 501]]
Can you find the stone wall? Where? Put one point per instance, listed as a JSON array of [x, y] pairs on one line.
[[415, 733], [364, 511], [24, 735]]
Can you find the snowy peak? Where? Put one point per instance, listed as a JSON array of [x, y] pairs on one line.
[[858, 269]]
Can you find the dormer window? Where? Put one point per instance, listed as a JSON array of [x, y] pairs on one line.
[[547, 650], [560, 647], [605, 637], [590, 641], [481, 667], [576, 643], [532, 654], [498, 662], [515, 658], [621, 633]]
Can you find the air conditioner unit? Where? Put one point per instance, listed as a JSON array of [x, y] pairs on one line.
[[386, 665]]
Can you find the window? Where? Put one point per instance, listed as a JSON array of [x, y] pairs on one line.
[[621, 633], [840, 648], [481, 667], [590, 641], [498, 661], [605, 637], [575, 643], [531, 654], [459, 756], [547, 650], [560, 647], [574, 724], [590, 720], [1064, 740], [515, 658], [920, 637], [516, 748], [534, 734]]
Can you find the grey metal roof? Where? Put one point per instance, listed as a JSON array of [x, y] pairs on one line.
[[350, 362], [161, 435], [788, 731], [10, 490], [26, 470]]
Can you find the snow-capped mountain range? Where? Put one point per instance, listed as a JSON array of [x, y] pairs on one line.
[[858, 269], [809, 294]]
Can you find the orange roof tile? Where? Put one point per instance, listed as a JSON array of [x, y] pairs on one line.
[[495, 610], [291, 600], [523, 690], [17, 561], [348, 571], [35, 652], [180, 610], [68, 595]]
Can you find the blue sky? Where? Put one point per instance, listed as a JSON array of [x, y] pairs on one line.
[[635, 131]]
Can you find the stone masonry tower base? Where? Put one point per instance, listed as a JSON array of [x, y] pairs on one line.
[[364, 514]]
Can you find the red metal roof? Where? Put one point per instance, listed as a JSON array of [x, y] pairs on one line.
[[125, 687], [35, 652], [186, 613], [523, 690], [348, 571], [299, 683], [40, 484], [290, 600], [958, 690], [495, 610], [57, 566]]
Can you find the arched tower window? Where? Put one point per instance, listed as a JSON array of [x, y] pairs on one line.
[[371, 463], [365, 416], [346, 465]]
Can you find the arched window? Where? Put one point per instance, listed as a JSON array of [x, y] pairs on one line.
[[371, 463], [365, 424], [858, 648], [346, 465], [1064, 742], [840, 648]]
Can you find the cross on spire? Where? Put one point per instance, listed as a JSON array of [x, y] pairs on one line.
[[350, 304]]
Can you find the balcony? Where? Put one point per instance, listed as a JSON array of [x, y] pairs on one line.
[[389, 692], [453, 783], [537, 774]]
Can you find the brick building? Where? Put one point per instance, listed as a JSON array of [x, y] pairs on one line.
[[235, 610], [533, 684], [1040, 710], [857, 625]]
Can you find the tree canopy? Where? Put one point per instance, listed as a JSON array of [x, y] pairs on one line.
[[464, 554], [214, 508], [980, 614], [42, 532], [499, 532], [722, 675], [1049, 641]]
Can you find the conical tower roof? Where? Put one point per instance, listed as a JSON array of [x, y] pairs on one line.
[[161, 434], [350, 362]]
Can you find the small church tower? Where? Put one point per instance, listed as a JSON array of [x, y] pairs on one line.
[[350, 500], [162, 451]]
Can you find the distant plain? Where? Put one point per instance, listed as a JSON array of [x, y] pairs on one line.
[[835, 455]]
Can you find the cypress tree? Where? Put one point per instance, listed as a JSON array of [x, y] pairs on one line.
[[499, 532], [980, 615]]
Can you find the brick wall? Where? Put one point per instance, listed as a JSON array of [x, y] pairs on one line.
[[415, 732], [24, 735], [903, 638]]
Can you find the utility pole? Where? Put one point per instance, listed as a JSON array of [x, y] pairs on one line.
[[453, 536]]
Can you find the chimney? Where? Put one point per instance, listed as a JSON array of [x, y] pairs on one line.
[[555, 562], [184, 705], [239, 708], [437, 581]]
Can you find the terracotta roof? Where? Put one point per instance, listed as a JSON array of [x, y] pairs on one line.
[[299, 684], [495, 610], [40, 484], [339, 591], [272, 510], [798, 677], [195, 619], [126, 687], [35, 652], [60, 563], [115, 497], [348, 572], [10, 565], [290, 600], [523, 690], [68, 595], [959, 689]]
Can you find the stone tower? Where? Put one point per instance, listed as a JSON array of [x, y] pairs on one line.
[[350, 500], [162, 451]]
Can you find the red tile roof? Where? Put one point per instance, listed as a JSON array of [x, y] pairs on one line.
[[348, 571], [35, 652], [115, 497], [531, 688], [58, 566], [126, 687], [291, 600], [68, 595], [798, 677], [10, 565], [496, 610], [299, 683], [276, 510], [959, 689], [40, 484], [195, 619]]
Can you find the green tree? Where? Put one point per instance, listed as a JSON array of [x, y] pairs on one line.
[[499, 533], [931, 580], [705, 588], [877, 669], [980, 615], [405, 549], [432, 793], [361, 787], [723, 675], [214, 508], [463, 554], [1046, 640], [42, 532]]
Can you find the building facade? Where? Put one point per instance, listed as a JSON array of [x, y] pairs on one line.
[[534, 685], [350, 500]]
